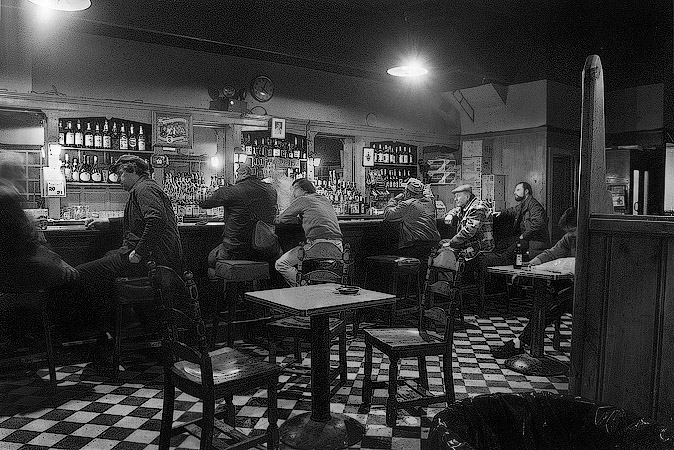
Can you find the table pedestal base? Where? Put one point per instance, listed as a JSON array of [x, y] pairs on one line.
[[340, 432], [543, 366]]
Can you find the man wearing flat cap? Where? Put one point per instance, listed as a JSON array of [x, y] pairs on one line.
[[474, 233], [149, 224], [415, 211]]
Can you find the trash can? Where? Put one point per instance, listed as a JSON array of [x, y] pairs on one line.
[[543, 421]]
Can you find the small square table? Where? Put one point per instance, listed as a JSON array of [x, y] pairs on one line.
[[540, 278], [319, 428]]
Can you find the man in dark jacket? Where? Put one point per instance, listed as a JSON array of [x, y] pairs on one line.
[[245, 202], [149, 225], [415, 212], [531, 222]]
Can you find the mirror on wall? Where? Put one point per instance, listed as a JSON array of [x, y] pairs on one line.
[[330, 150], [22, 132]]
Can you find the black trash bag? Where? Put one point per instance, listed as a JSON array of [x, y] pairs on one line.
[[543, 421]]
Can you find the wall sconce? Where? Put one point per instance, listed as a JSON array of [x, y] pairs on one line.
[[316, 161], [215, 162]]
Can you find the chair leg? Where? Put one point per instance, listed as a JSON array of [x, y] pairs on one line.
[[230, 411], [207, 422], [297, 345], [392, 401], [272, 349], [450, 396], [556, 336], [231, 298], [167, 415], [272, 414], [118, 340], [423, 374], [51, 363], [342, 357], [366, 395]]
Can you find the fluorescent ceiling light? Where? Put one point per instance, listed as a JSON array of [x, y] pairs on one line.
[[407, 71], [64, 5]]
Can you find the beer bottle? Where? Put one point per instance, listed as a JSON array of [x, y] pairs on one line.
[[519, 256]]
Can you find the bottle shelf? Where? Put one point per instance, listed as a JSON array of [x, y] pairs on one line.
[[91, 184], [409, 166], [111, 150]]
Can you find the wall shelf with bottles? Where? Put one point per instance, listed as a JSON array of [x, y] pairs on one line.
[[266, 154], [394, 154]]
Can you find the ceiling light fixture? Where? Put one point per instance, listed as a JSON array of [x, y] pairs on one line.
[[64, 5], [412, 70]]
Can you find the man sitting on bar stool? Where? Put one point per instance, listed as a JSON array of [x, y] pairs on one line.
[[319, 221], [414, 210], [248, 200], [563, 302], [150, 229]]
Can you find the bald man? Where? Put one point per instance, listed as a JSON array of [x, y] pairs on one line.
[[245, 202]]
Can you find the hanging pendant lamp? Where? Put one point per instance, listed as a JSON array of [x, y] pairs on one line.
[[64, 5]]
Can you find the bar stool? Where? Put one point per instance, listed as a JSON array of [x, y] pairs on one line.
[[42, 297], [130, 291], [239, 277], [390, 273]]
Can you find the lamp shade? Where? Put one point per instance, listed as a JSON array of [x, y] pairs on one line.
[[407, 71], [64, 5]]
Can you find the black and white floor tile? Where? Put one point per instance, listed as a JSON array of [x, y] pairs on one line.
[[93, 412]]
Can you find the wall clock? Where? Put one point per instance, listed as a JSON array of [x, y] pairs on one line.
[[262, 88]]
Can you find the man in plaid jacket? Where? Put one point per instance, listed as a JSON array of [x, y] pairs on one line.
[[474, 232]]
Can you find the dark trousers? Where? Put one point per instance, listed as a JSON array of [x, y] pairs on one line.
[[561, 302]]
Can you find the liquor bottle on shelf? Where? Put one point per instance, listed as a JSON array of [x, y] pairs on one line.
[[141, 139], [79, 136], [132, 139], [114, 136], [123, 138], [76, 170], [105, 171], [98, 137], [70, 134], [96, 175], [297, 152], [67, 168], [88, 137], [107, 139], [112, 175], [85, 170], [62, 134], [247, 145], [276, 149]]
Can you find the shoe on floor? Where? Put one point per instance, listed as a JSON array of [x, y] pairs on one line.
[[506, 350]]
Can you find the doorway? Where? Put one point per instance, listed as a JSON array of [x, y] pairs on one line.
[[562, 188]]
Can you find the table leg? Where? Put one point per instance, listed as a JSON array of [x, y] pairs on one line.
[[320, 428], [538, 318]]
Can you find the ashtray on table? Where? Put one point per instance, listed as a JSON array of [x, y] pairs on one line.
[[348, 290]]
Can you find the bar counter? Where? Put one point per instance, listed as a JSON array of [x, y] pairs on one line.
[[366, 235]]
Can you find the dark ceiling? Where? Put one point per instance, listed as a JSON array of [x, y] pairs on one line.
[[464, 42]]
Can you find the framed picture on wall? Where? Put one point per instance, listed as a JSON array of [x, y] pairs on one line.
[[278, 128], [172, 130], [368, 157]]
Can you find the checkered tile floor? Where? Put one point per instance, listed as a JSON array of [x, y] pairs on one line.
[[92, 412]]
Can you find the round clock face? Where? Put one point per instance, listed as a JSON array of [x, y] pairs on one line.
[[262, 89]]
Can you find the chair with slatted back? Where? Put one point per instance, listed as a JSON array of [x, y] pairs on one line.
[[399, 343], [323, 262], [209, 376]]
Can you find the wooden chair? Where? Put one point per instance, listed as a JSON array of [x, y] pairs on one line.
[[42, 298], [398, 343], [209, 376], [324, 262]]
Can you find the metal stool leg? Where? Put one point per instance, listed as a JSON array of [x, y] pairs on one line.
[[46, 321]]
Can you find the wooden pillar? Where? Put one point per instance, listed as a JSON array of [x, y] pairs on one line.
[[593, 198]]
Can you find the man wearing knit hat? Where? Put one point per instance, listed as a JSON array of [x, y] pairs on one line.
[[415, 212]]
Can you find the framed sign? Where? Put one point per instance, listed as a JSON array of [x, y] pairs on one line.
[[368, 157], [278, 128], [172, 130]]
